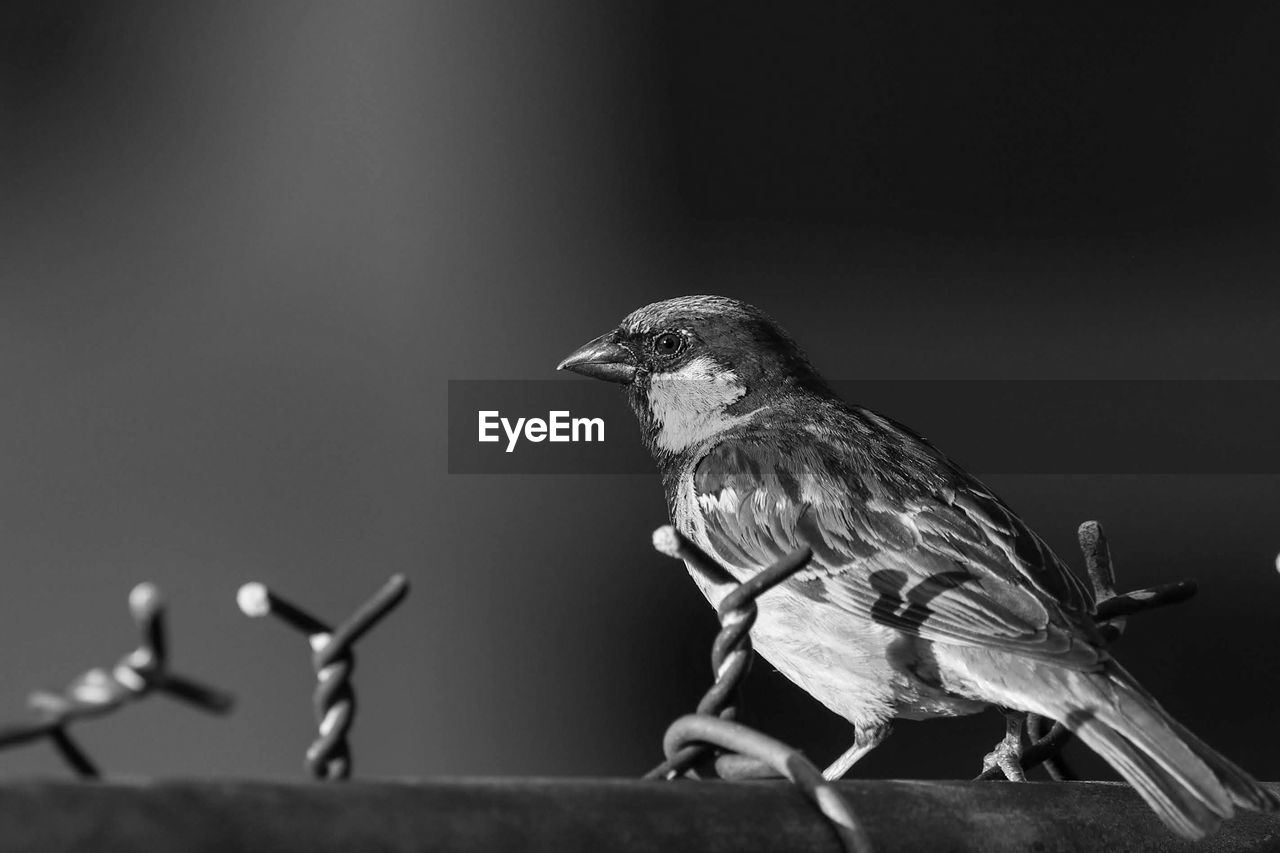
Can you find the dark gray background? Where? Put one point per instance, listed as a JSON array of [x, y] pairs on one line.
[[245, 245]]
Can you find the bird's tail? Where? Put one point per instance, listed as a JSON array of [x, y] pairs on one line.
[[1189, 785]]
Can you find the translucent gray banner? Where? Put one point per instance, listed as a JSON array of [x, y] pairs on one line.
[[576, 426]]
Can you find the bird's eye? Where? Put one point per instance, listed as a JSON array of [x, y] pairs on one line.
[[668, 343]]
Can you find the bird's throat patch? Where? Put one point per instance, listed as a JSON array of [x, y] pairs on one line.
[[688, 406]]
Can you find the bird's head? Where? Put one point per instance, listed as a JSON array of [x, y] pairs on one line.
[[695, 366]]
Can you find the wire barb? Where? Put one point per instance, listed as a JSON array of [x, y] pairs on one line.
[[100, 691], [744, 753], [333, 659]]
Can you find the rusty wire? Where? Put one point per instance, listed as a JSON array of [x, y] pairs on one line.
[[746, 753], [100, 691], [1047, 737], [333, 659]]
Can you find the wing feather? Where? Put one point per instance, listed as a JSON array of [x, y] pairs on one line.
[[939, 557]]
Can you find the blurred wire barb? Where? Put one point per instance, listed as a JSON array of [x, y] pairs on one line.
[[100, 691]]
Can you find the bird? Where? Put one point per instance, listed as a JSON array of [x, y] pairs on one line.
[[926, 595]]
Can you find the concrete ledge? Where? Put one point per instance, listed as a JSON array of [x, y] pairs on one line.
[[566, 815]]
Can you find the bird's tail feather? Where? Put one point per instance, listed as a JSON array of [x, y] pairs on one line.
[[1189, 785], [1181, 811], [1244, 790]]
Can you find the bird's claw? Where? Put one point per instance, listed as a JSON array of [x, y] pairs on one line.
[[1008, 757]]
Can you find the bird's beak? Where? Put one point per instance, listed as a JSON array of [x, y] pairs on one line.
[[603, 358]]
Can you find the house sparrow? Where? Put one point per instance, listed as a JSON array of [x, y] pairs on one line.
[[926, 595]]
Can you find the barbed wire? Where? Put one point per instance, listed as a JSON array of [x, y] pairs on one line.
[[1048, 737], [692, 740], [333, 659], [100, 691]]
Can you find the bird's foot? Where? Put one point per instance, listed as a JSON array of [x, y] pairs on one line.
[[864, 741], [1007, 756]]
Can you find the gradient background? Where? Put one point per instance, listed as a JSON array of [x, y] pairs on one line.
[[246, 244]]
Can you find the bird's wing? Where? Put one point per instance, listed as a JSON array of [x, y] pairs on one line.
[[935, 556]]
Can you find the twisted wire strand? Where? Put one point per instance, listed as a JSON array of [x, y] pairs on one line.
[[746, 753], [1110, 616], [731, 650], [333, 660], [334, 705], [100, 691], [698, 729]]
